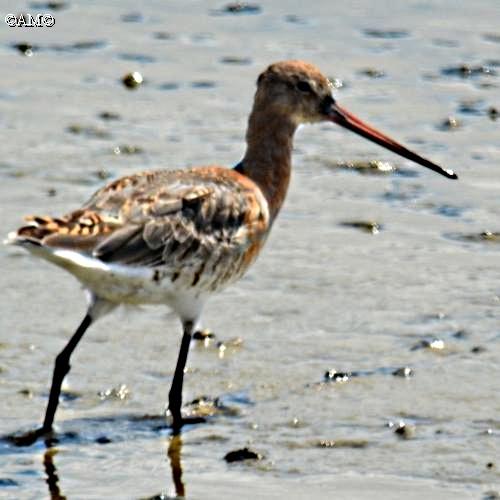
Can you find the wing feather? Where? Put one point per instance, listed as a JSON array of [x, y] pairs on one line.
[[187, 221]]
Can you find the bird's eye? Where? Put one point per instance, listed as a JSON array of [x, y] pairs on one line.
[[304, 86]]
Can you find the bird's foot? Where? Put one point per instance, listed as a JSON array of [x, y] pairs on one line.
[[31, 437]]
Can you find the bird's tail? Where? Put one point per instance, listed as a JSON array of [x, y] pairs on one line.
[[79, 231]]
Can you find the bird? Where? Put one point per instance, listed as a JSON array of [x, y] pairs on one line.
[[176, 237]]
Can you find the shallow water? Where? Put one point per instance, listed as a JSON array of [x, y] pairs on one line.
[[323, 295]]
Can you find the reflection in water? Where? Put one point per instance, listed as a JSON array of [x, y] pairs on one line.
[[174, 455], [51, 472]]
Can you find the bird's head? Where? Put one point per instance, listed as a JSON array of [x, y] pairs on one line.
[[296, 89], [299, 91]]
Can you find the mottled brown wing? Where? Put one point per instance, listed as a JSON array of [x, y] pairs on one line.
[[184, 221], [203, 224]]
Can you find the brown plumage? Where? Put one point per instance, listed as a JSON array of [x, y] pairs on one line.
[[202, 226]]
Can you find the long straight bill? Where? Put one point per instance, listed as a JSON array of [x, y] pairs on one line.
[[345, 119]]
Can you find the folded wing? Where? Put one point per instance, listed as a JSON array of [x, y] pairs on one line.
[[190, 223]]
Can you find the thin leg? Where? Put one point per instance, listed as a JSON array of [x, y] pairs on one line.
[[61, 369], [175, 394]]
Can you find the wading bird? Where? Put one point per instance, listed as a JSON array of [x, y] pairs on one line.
[[175, 237]]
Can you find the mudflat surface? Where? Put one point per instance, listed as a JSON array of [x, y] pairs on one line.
[[328, 293]]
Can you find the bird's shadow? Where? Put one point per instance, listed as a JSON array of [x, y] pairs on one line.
[[126, 426], [101, 430]]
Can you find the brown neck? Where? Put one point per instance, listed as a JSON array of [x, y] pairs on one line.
[[268, 157]]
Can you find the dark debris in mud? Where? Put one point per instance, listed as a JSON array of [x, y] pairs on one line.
[[102, 174], [371, 227], [7, 482], [241, 455], [127, 149], [450, 123], [169, 86], [481, 237], [51, 5], [103, 440], [374, 167], [477, 107], [78, 46], [29, 49], [89, 131], [203, 84], [471, 106], [492, 37], [28, 393], [461, 334], [468, 71], [205, 406], [296, 19], [449, 210], [132, 80], [404, 372], [132, 17], [109, 116], [435, 344], [207, 339], [335, 376], [491, 495], [341, 443], [389, 34], [372, 72], [25, 48], [141, 58], [478, 349], [369, 167], [203, 335], [163, 35], [236, 60], [403, 429], [238, 8]]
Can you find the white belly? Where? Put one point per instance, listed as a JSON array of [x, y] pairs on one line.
[[120, 284]]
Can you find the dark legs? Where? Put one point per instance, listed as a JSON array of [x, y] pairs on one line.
[[97, 308], [61, 369], [175, 394]]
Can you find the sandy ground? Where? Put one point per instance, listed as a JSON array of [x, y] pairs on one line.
[[322, 296]]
